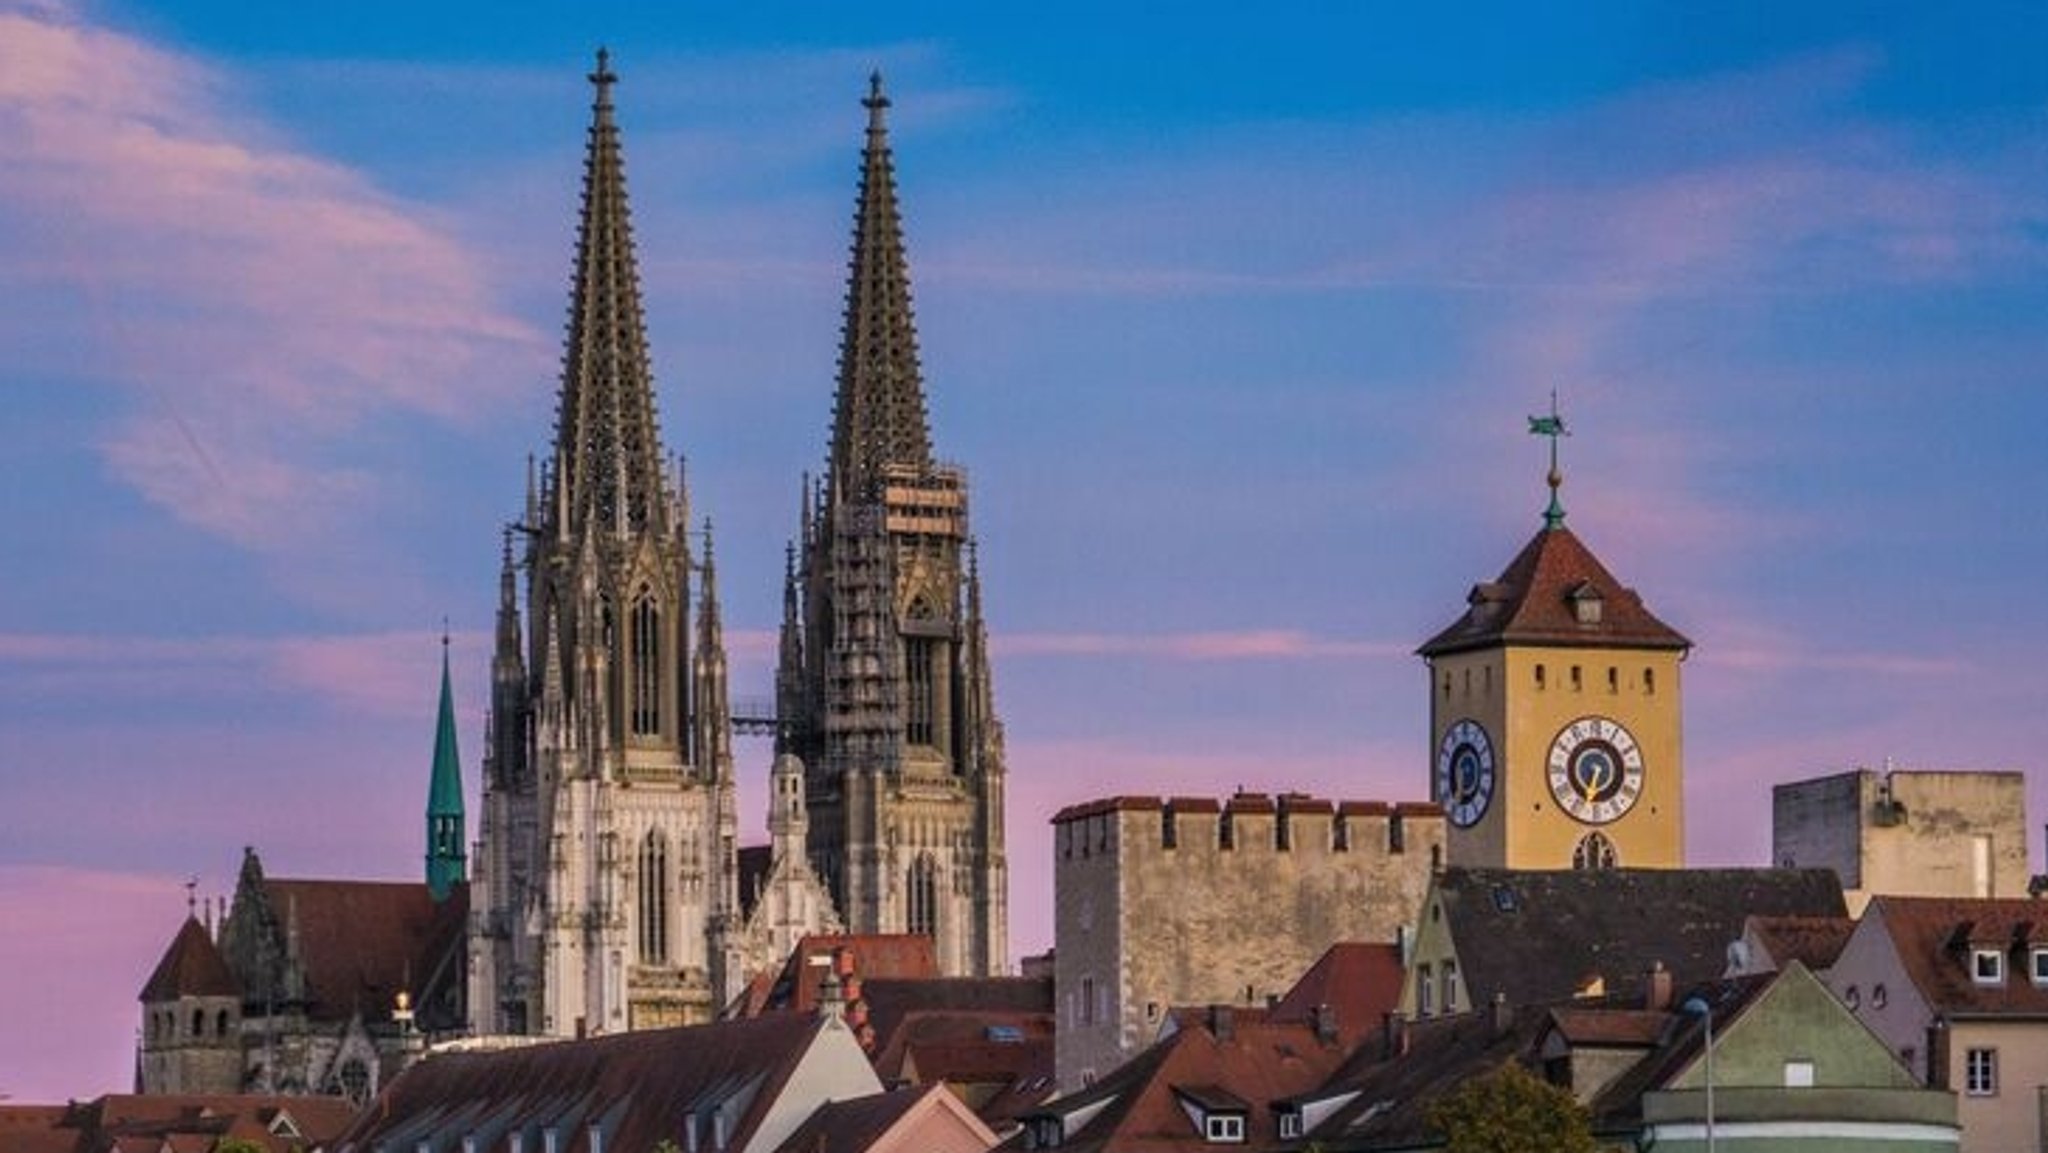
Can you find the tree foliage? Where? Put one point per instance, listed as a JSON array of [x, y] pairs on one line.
[[1511, 1111]]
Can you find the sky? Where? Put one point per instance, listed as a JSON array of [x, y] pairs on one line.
[[1234, 323]]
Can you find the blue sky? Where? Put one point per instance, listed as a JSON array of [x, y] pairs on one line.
[[1234, 324]]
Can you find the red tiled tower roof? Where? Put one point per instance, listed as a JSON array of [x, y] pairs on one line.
[[1538, 601], [191, 967]]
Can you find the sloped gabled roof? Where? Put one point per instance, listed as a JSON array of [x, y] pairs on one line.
[[1536, 935], [191, 967], [1535, 603], [642, 1087], [1935, 936]]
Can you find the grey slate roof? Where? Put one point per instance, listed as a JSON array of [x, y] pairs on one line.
[[1537, 936]]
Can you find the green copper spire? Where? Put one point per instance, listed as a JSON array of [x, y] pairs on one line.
[[446, 863], [1553, 427]]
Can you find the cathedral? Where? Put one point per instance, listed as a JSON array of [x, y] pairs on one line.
[[883, 684], [606, 882]]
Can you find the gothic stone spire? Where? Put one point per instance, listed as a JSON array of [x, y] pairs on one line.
[[608, 471], [879, 415]]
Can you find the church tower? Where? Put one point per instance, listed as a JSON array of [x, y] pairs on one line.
[[447, 866], [1554, 713], [883, 688], [606, 859]]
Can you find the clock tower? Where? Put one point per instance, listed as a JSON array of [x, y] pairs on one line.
[[1554, 713]]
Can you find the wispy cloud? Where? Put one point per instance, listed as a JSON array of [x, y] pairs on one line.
[[256, 302], [1244, 645]]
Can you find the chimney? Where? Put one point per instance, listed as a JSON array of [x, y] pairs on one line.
[[1499, 1017], [1657, 987], [1937, 1054], [1223, 1022], [1394, 1042], [1324, 1019]]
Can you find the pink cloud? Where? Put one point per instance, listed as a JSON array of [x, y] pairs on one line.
[[80, 944], [259, 303], [1252, 644]]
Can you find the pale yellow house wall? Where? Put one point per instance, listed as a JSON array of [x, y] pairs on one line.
[[2011, 1117]]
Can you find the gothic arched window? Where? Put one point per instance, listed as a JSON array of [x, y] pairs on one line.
[[646, 666], [920, 706], [924, 896], [654, 899], [355, 1081], [1595, 851]]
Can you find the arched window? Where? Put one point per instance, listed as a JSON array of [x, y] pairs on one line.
[[1594, 851], [199, 1022], [924, 896], [646, 666], [920, 706], [220, 1024], [654, 899], [355, 1081]]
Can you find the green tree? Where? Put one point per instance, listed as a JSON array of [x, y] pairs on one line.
[[1510, 1111], [237, 1145]]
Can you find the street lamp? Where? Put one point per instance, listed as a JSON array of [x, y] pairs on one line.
[[1698, 1007]]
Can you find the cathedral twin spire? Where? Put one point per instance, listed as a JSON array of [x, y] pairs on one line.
[[879, 416], [607, 470]]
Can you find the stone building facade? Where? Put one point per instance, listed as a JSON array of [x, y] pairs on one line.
[[1907, 833], [1187, 900], [606, 864], [883, 688]]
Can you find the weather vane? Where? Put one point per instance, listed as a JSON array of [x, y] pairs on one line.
[[1553, 427]]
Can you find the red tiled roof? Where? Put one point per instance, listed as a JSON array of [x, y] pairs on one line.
[[1360, 982], [1812, 941], [1610, 1027], [1935, 936], [191, 1123], [35, 1129], [853, 1126], [361, 942], [1259, 1063], [191, 967], [1533, 603]]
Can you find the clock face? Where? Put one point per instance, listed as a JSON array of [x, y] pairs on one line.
[[1595, 770], [1464, 773]]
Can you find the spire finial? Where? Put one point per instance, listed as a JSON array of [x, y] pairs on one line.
[[444, 639], [875, 103], [192, 896], [1553, 427], [603, 79]]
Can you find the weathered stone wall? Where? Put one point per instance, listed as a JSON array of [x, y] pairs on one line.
[[1164, 903], [1907, 833]]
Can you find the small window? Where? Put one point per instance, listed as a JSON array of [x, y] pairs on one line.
[[1290, 1124], [1980, 1072], [1226, 834], [1450, 979], [1539, 677], [1169, 837], [2037, 961], [1424, 986], [1798, 1074], [1224, 1128], [1650, 682], [1340, 834], [1397, 834], [1987, 966], [1578, 679], [1087, 1000], [1613, 679], [1852, 997], [1447, 685], [1878, 997]]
